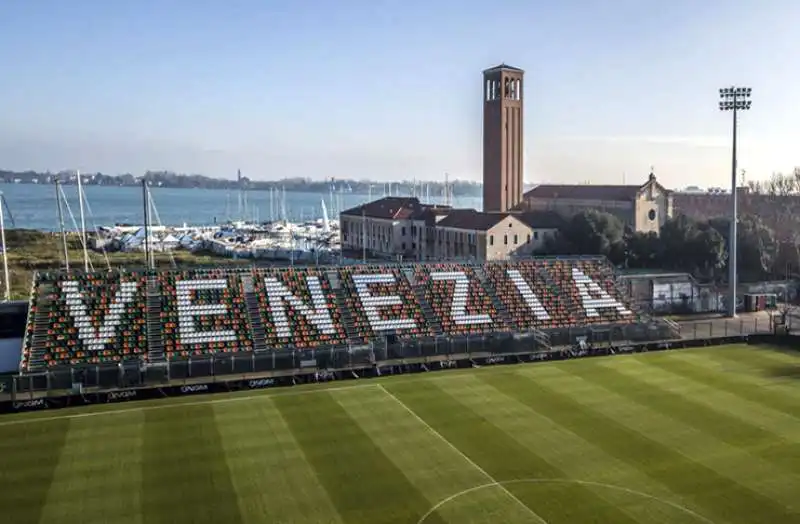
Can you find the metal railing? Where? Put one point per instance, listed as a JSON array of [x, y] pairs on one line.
[[387, 352]]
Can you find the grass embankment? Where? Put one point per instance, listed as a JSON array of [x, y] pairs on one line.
[[30, 251]]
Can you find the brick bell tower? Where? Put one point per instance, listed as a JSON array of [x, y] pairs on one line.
[[502, 138]]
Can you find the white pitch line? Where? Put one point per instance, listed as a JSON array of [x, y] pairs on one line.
[[452, 446], [180, 404]]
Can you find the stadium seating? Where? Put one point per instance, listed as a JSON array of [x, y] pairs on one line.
[[303, 318], [203, 312], [382, 302], [86, 319], [107, 317], [589, 288], [532, 299], [461, 303]]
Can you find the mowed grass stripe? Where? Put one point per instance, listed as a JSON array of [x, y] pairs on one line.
[[730, 382], [273, 480], [756, 366], [575, 457], [769, 434], [433, 467], [729, 461], [29, 454], [504, 458], [363, 484], [582, 411], [747, 366], [185, 476], [98, 475]]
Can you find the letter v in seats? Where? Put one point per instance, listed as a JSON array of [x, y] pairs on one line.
[[96, 339]]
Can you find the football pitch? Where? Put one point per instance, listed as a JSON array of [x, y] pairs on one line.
[[700, 436]]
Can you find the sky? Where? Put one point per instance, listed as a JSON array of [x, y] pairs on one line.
[[391, 90]]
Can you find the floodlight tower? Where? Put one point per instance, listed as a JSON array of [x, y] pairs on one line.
[[733, 99]]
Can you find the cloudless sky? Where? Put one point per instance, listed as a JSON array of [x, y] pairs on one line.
[[392, 89]]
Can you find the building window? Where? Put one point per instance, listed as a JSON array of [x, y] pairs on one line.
[[403, 232], [529, 238], [413, 245], [403, 246], [491, 240], [536, 235], [505, 240], [651, 214], [515, 240]]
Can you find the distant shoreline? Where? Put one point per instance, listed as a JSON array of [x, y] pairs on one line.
[[361, 187]]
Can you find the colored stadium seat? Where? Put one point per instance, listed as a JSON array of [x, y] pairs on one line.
[[297, 307], [590, 291], [106, 317], [86, 319], [382, 302], [459, 300], [203, 312], [532, 299]]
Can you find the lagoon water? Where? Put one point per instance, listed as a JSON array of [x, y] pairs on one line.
[[33, 206]]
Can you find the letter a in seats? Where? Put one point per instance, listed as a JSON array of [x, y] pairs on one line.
[[595, 297]]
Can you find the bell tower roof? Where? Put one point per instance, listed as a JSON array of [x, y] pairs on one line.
[[503, 67]]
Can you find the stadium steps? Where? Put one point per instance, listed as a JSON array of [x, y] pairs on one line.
[[41, 321], [256, 324], [29, 324], [155, 337], [427, 310], [542, 339], [487, 284], [341, 304]]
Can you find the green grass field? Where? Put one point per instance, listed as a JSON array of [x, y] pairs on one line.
[[692, 436]]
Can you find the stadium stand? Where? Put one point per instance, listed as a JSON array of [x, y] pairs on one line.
[[589, 301], [297, 308], [86, 319], [203, 312], [102, 317], [383, 303], [461, 304], [532, 298]]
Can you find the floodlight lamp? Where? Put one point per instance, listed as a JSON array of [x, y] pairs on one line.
[[747, 106]]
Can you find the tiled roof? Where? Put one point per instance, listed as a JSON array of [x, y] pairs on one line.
[[503, 67], [541, 219], [585, 192], [471, 219], [394, 208]]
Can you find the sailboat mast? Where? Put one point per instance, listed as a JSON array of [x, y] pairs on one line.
[[61, 224], [83, 224], [6, 280], [272, 204], [146, 202], [151, 210]]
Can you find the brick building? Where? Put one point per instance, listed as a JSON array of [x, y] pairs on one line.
[[645, 208], [393, 227]]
